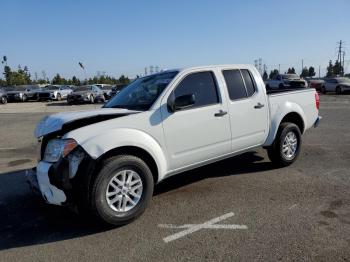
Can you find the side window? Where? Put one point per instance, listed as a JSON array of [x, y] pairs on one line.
[[235, 84], [202, 85], [249, 81]]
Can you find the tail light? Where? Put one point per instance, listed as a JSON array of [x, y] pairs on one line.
[[317, 100]]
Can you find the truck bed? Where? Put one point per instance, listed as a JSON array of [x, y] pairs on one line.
[[276, 91]]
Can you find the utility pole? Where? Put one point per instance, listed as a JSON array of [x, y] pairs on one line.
[[340, 53], [319, 71], [279, 68], [145, 71], [302, 65]]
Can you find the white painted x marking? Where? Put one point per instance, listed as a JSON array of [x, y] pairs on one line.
[[191, 228]]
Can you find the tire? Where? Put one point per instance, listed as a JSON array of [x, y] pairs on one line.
[[59, 97], [24, 98], [275, 152], [323, 90], [3, 100], [92, 99], [108, 212], [338, 90]]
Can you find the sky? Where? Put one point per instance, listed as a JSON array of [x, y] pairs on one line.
[[124, 37]]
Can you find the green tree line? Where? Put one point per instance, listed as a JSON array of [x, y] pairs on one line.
[[23, 77]]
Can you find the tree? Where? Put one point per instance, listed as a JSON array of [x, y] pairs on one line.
[[75, 81], [291, 70], [337, 68], [7, 74], [330, 72], [312, 71], [273, 73], [123, 80], [58, 80], [265, 76], [305, 72]]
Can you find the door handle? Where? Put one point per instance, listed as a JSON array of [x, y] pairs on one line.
[[220, 113], [258, 106]]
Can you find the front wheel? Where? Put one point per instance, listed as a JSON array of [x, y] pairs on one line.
[[286, 147], [92, 99], [122, 190]]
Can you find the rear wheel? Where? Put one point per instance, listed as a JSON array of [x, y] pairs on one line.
[[3, 100], [122, 190], [338, 90], [286, 147]]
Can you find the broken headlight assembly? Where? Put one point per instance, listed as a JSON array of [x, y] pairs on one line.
[[57, 148]]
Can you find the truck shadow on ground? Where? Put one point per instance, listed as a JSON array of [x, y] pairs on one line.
[[25, 220]]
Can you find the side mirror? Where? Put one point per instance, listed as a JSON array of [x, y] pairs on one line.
[[180, 102]]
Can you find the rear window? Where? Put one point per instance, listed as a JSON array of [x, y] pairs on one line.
[[249, 82], [235, 84]]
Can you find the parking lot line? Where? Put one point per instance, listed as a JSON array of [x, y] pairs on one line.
[[191, 228]]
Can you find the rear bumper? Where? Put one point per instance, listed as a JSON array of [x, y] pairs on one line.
[[317, 122]]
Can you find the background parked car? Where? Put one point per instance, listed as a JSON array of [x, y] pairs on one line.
[[316, 83], [116, 89], [285, 81], [3, 96], [107, 89], [22, 93], [337, 84], [89, 93], [54, 92]]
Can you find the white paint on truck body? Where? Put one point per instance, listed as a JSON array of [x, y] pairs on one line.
[[190, 138]]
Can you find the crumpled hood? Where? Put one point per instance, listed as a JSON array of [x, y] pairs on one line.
[[56, 122]]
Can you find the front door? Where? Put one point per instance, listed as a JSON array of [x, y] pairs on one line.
[[202, 131]]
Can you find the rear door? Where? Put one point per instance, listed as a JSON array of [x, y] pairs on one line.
[[248, 109], [202, 131]]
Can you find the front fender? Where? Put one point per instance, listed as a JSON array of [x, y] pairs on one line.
[[277, 116], [101, 143]]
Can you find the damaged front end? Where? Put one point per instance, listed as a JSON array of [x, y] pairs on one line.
[[54, 179]]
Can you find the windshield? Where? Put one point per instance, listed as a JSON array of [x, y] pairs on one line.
[[17, 88], [52, 87], [344, 80], [291, 76], [82, 88], [143, 92]]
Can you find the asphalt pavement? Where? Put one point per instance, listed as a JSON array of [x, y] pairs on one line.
[[239, 209]]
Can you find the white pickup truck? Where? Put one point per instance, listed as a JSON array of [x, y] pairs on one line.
[[106, 161]]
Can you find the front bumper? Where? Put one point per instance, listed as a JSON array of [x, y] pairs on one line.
[[38, 180]]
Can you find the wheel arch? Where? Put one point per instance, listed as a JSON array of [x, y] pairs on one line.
[[295, 116], [134, 151]]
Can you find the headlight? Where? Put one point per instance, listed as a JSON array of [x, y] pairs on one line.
[[57, 148]]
